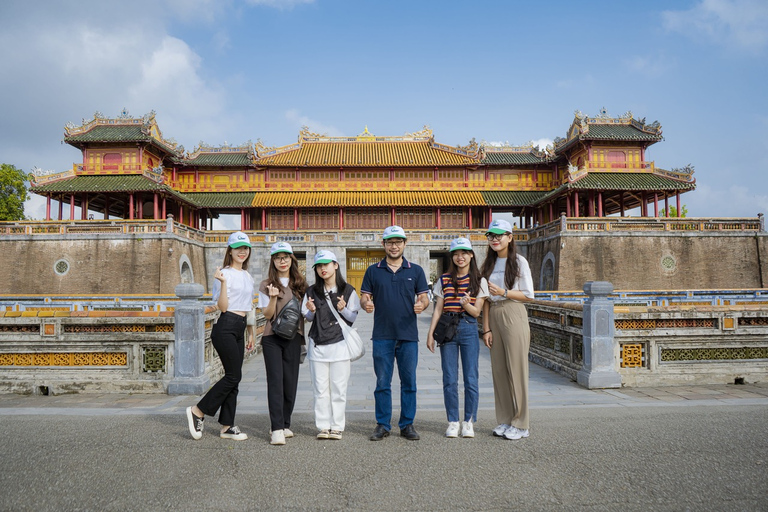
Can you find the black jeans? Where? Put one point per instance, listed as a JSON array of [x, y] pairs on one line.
[[281, 361], [228, 338]]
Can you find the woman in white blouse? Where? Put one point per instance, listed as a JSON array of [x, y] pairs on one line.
[[233, 294], [505, 329]]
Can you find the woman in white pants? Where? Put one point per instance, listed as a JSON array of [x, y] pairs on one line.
[[328, 356]]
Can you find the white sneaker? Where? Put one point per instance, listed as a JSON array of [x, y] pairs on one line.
[[288, 433], [233, 433], [499, 431], [453, 429], [515, 433], [467, 430], [278, 437]]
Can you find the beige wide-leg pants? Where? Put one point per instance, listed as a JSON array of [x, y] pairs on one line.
[[509, 362]]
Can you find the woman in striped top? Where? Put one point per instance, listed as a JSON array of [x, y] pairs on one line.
[[461, 291]]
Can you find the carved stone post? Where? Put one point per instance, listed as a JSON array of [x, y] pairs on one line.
[[599, 369], [189, 376]]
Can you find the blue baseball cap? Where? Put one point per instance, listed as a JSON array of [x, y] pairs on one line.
[[238, 239], [394, 232], [499, 227], [461, 244], [281, 247], [323, 257]]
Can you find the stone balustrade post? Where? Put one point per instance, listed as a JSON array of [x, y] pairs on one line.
[[599, 367], [189, 376]]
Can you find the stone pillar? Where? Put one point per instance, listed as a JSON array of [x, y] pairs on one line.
[[599, 368], [189, 376]]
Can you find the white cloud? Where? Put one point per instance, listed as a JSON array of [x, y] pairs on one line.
[[280, 4], [739, 23], [295, 117], [652, 66]]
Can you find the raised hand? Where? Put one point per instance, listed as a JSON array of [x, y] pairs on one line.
[[311, 304]]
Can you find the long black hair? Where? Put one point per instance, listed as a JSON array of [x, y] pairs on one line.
[[228, 258], [474, 274], [511, 270], [296, 281], [319, 286]]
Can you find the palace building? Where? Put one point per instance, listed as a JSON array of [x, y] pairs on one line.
[[340, 192], [130, 171]]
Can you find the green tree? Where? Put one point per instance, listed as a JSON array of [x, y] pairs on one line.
[[13, 192], [673, 212]]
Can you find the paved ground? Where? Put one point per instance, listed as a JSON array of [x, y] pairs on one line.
[[697, 448]]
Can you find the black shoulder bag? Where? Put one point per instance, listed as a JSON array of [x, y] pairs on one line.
[[286, 323], [446, 327]]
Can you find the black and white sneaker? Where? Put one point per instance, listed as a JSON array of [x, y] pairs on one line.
[[233, 433], [196, 425]]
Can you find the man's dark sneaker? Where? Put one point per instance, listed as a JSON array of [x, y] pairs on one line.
[[409, 433], [233, 433], [195, 424], [379, 433]]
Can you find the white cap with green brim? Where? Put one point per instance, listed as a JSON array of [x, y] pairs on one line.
[[280, 247]]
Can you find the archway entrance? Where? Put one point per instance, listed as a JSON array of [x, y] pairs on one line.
[[358, 262]]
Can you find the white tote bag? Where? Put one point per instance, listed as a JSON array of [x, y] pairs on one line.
[[353, 340]]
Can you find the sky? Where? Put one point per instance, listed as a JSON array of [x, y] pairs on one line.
[[232, 71]]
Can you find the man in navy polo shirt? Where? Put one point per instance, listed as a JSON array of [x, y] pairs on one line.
[[394, 284]]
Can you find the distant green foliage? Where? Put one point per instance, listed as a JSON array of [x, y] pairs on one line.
[[13, 192], [673, 212]]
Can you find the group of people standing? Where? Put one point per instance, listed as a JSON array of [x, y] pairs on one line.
[[395, 291]]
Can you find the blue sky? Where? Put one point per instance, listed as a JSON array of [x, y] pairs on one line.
[[499, 71]]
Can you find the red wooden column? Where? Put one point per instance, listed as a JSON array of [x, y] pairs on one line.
[[655, 204], [591, 206], [106, 207], [295, 219], [677, 198], [666, 204], [600, 204], [567, 206], [181, 214], [621, 203], [84, 207], [140, 206], [242, 219], [130, 206], [264, 218], [576, 204], [341, 218], [156, 213], [551, 212], [469, 217], [438, 216], [48, 207], [164, 205], [61, 208], [392, 215], [72, 207]]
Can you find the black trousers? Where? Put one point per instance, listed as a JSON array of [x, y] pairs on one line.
[[228, 338], [281, 361]]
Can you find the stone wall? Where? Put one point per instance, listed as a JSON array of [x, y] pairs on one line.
[[149, 264], [651, 261]]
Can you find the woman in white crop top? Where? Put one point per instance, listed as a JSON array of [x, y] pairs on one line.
[[233, 294]]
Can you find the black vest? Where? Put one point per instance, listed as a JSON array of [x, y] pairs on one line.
[[325, 329]]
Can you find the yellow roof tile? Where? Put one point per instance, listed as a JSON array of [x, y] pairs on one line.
[[385, 198], [367, 154]]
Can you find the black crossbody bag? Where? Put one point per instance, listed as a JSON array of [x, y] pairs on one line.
[[446, 327]]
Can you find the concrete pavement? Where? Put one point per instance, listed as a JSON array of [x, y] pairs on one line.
[[698, 448]]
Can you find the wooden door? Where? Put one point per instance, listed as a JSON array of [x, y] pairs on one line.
[[358, 262]]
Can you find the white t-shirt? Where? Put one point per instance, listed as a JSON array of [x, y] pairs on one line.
[[239, 289], [331, 352], [523, 283]]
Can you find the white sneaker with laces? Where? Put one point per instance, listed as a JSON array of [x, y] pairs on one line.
[[499, 431], [233, 433], [278, 437], [453, 429], [288, 433], [515, 433], [467, 430]]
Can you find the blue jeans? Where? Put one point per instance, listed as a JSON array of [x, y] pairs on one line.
[[385, 352], [467, 343]]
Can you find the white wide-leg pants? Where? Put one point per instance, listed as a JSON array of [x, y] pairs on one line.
[[329, 381]]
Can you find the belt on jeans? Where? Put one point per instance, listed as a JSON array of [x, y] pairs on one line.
[[493, 303]]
